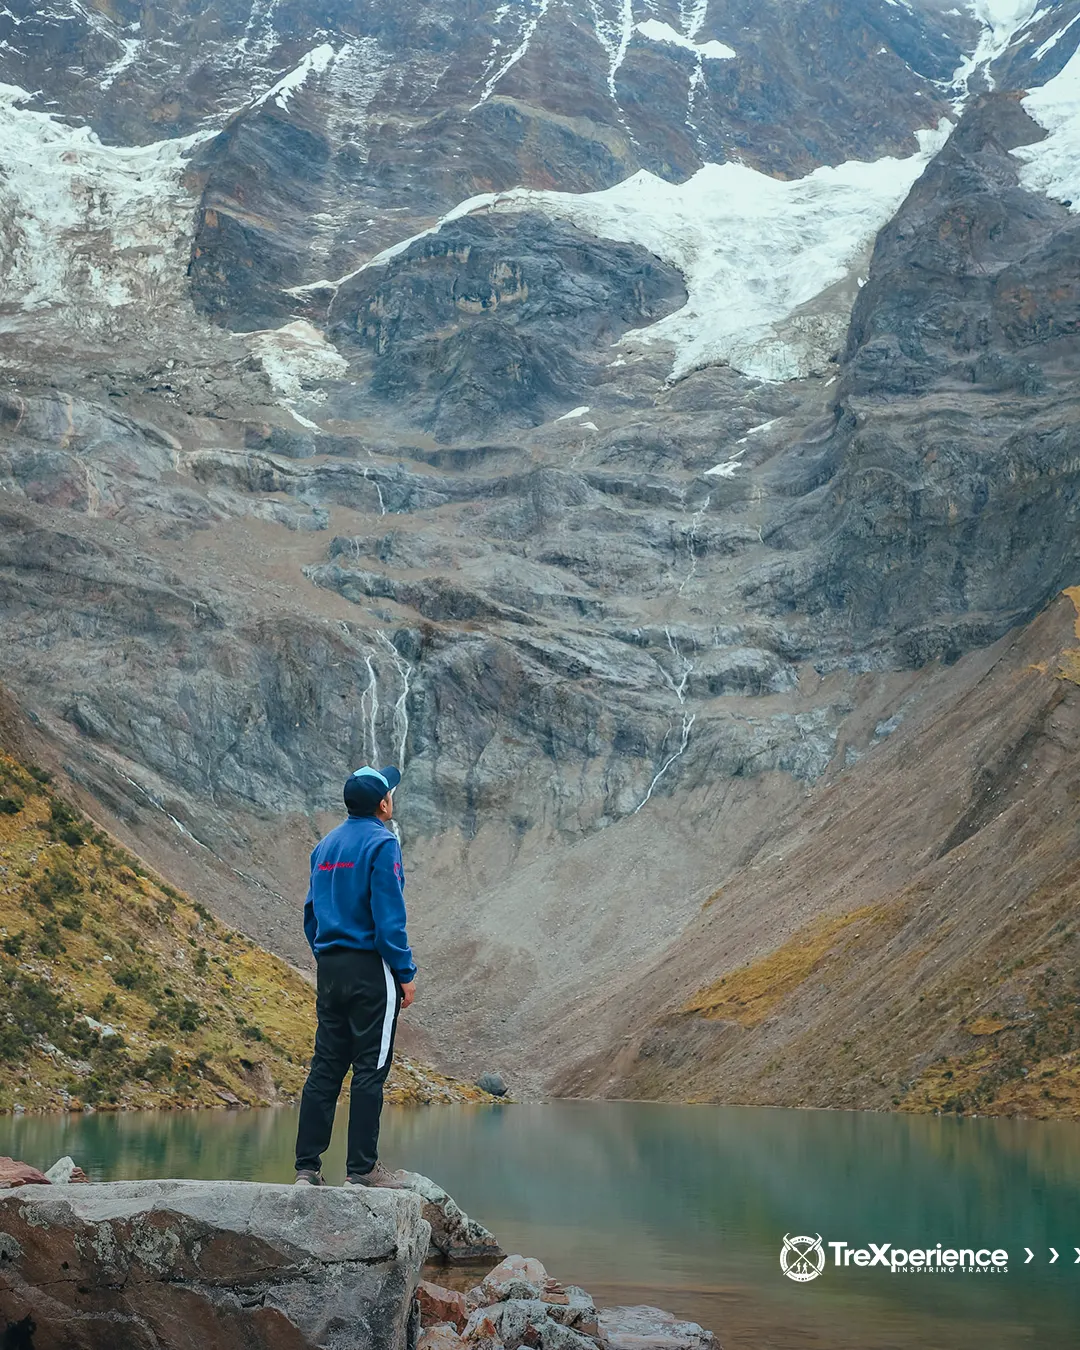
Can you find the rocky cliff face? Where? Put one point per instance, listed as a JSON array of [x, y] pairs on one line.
[[601, 407]]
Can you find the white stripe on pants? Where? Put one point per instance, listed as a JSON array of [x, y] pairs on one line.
[[388, 1016]]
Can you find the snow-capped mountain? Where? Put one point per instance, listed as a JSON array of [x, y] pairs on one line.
[[596, 404]]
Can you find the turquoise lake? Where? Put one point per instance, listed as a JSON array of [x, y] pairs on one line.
[[686, 1207]]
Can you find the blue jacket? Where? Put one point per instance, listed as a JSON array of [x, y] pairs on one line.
[[356, 897]]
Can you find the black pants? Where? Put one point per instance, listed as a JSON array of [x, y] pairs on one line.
[[357, 1006]]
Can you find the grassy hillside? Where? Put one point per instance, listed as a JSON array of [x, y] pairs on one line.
[[118, 991]]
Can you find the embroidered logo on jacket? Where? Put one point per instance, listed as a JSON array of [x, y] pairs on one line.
[[329, 867]]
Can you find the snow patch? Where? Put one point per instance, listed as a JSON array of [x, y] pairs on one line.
[[314, 63], [614, 36], [1001, 21], [754, 250], [86, 226], [574, 412], [515, 56], [1052, 42], [656, 31], [304, 421], [128, 57], [295, 355], [1053, 166]]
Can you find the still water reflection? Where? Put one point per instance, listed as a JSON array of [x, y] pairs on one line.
[[686, 1206]]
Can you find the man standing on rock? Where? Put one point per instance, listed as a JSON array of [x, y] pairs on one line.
[[354, 920]]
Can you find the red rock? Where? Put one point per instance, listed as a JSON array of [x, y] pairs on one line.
[[14, 1174], [439, 1305], [483, 1334]]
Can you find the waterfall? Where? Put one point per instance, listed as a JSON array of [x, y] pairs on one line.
[[369, 711], [687, 722], [401, 704]]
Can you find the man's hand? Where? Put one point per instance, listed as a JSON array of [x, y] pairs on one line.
[[408, 993]]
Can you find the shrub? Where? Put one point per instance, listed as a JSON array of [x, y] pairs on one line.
[[50, 942], [59, 882], [11, 806], [32, 1009], [13, 944], [180, 1013], [64, 824], [158, 1062]]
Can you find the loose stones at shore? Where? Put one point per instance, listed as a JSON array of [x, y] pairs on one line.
[[519, 1304]]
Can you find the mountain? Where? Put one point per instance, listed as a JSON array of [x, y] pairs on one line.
[[624, 414]]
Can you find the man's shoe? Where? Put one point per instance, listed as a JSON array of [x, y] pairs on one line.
[[378, 1176], [306, 1177]]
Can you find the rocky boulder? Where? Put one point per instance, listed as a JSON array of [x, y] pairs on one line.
[[454, 1236], [441, 1307], [182, 1265], [644, 1328], [65, 1171], [14, 1173]]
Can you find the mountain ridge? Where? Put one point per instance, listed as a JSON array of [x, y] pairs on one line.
[[526, 499]]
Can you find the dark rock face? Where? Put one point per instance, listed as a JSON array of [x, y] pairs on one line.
[[497, 323], [975, 282], [187, 1263], [953, 470]]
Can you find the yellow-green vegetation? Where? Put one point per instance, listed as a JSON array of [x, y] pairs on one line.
[[117, 991], [749, 995], [1069, 660], [1023, 1062]]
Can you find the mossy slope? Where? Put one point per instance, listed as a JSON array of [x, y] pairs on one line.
[[118, 991]]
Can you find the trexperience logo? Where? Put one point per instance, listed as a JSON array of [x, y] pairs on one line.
[[803, 1258]]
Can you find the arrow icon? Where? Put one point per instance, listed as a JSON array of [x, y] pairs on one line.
[[1077, 1251], [1030, 1256], [1055, 1255]]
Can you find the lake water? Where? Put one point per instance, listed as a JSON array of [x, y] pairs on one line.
[[686, 1207]]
